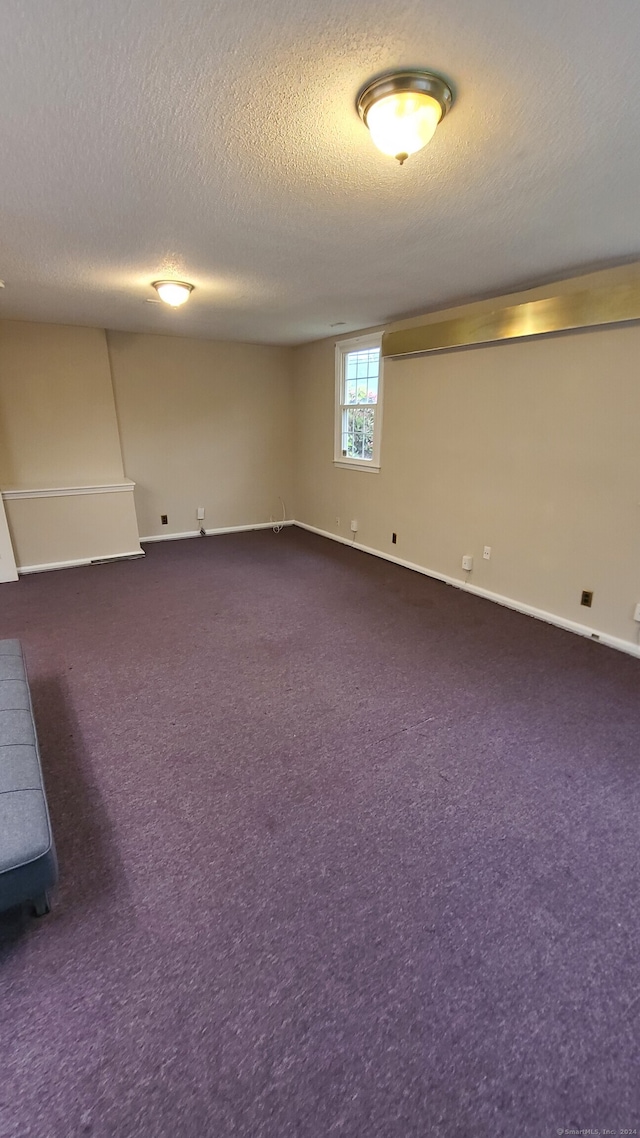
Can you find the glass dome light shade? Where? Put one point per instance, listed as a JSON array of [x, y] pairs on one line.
[[174, 293], [403, 122]]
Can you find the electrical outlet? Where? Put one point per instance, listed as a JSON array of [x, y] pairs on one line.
[[163, 519], [586, 598], [200, 513], [467, 563], [394, 538], [636, 615], [338, 522], [486, 552], [354, 525]]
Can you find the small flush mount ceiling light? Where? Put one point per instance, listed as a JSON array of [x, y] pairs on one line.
[[403, 109], [174, 293]]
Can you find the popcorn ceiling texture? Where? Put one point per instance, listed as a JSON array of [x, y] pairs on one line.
[[220, 142]]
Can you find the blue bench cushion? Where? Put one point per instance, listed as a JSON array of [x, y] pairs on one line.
[[19, 768], [24, 828], [27, 855]]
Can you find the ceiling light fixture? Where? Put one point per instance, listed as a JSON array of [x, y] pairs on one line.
[[403, 109], [174, 293]]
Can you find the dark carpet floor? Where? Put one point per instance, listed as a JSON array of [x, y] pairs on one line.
[[344, 851]]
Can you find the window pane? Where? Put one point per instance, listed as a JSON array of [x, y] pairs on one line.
[[359, 397], [372, 390], [361, 376], [357, 432]]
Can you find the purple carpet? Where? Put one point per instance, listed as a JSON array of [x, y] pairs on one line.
[[343, 851]]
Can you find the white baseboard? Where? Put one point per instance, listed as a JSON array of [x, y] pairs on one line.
[[169, 536], [106, 560], [508, 602], [213, 532]]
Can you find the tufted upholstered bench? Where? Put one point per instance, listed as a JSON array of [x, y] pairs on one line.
[[28, 867]]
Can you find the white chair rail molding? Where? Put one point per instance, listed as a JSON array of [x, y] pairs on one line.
[[55, 527]]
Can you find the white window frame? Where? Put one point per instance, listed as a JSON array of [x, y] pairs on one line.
[[343, 348]]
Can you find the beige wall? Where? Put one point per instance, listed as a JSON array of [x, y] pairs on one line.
[[530, 447], [8, 570], [204, 423], [57, 419], [58, 429], [72, 528], [201, 424]]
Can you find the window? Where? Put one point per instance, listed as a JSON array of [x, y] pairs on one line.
[[358, 403]]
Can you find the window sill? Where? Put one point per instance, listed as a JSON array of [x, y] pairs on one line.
[[371, 468]]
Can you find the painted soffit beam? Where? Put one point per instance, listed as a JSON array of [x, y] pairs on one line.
[[583, 308]]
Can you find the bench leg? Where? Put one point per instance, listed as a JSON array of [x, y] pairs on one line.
[[41, 905]]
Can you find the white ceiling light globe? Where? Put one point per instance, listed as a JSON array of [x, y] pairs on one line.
[[402, 110], [403, 123], [174, 293]]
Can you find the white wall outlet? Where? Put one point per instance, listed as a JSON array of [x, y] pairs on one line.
[[338, 522], [486, 552], [636, 615], [354, 525], [467, 562], [200, 513]]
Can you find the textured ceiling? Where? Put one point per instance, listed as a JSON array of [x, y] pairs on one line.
[[219, 142]]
